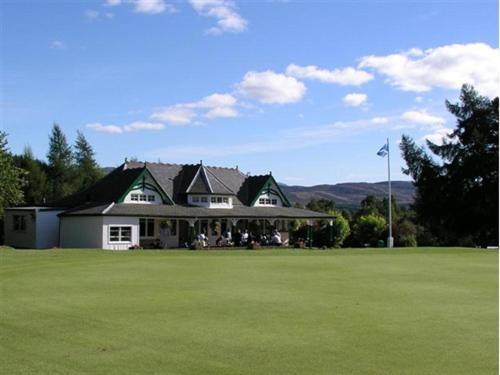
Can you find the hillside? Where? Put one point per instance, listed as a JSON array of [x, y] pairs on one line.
[[350, 194]]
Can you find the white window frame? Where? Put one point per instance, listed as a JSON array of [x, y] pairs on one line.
[[204, 200], [274, 201], [213, 199], [225, 200], [151, 198], [120, 236], [195, 199], [134, 197], [262, 201], [142, 197]]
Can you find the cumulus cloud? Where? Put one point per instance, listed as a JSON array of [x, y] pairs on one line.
[[211, 106], [344, 76], [151, 6], [380, 120], [447, 67], [437, 136], [422, 117], [132, 127], [228, 19], [271, 88], [144, 6], [355, 99]]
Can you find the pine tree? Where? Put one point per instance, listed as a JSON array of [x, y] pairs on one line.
[[11, 177], [457, 192], [36, 187], [88, 172], [60, 168]]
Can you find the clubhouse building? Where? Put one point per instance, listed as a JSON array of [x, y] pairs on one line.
[[157, 205]]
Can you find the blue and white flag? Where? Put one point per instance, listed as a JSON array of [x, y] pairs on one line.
[[384, 150]]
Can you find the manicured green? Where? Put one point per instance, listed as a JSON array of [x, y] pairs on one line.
[[401, 311]]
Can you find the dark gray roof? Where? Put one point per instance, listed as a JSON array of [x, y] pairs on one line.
[[108, 189], [179, 211]]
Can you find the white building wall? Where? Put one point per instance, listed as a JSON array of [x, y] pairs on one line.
[[269, 196], [109, 221], [47, 229], [23, 239], [209, 203], [128, 198], [81, 232]]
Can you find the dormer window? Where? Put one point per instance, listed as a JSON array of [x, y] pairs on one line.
[[204, 200], [213, 199], [134, 197], [225, 200], [262, 201], [151, 198], [196, 199]]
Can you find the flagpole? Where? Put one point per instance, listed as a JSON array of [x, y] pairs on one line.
[[390, 239]]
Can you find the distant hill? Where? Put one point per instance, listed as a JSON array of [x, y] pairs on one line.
[[350, 194]]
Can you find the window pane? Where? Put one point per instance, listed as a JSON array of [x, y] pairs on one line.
[[114, 234], [151, 227], [134, 197], [226, 200], [151, 198], [204, 199], [126, 234], [213, 199], [274, 201], [173, 228], [262, 201], [142, 227], [219, 199], [268, 201]]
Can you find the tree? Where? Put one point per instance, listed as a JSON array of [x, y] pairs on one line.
[[11, 177], [457, 187], [340, 228], [369, 229], [88, 172], [60, 169], [36, 188], [320, 205]]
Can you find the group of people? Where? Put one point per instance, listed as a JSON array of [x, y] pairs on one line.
[[241, 239]]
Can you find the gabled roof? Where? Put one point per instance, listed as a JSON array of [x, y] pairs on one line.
[[176, 181], [108, 189]]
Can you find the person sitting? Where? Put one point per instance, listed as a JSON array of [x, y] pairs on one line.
[[276, 239], [245, 238]]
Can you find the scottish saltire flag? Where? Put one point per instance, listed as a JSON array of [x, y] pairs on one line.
[[384, 150]]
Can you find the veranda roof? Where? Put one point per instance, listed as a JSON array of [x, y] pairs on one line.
[[190, 212]]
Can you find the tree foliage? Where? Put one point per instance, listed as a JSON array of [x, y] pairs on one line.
[[60, 167], [369, 229], [36, 188], [87, 170], [11, 177], [457, 185]]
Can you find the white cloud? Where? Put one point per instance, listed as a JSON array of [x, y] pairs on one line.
[[437, 136], [380, 120], [447, 67], [151, 6], [228, 19], [222, 112], [111, 129], [421, 117], [271, 88], [57, 44], [132, 127], [175, 115], [355, 99], [419, 99], [344, 76], [143, 6], [211, 106]]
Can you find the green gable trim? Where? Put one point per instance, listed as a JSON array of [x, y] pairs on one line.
[[140, 181], [267, 187]]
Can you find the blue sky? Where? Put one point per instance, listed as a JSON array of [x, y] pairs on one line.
[[308, 90]]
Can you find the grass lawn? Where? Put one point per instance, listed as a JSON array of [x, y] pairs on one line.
[[425, 311]]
